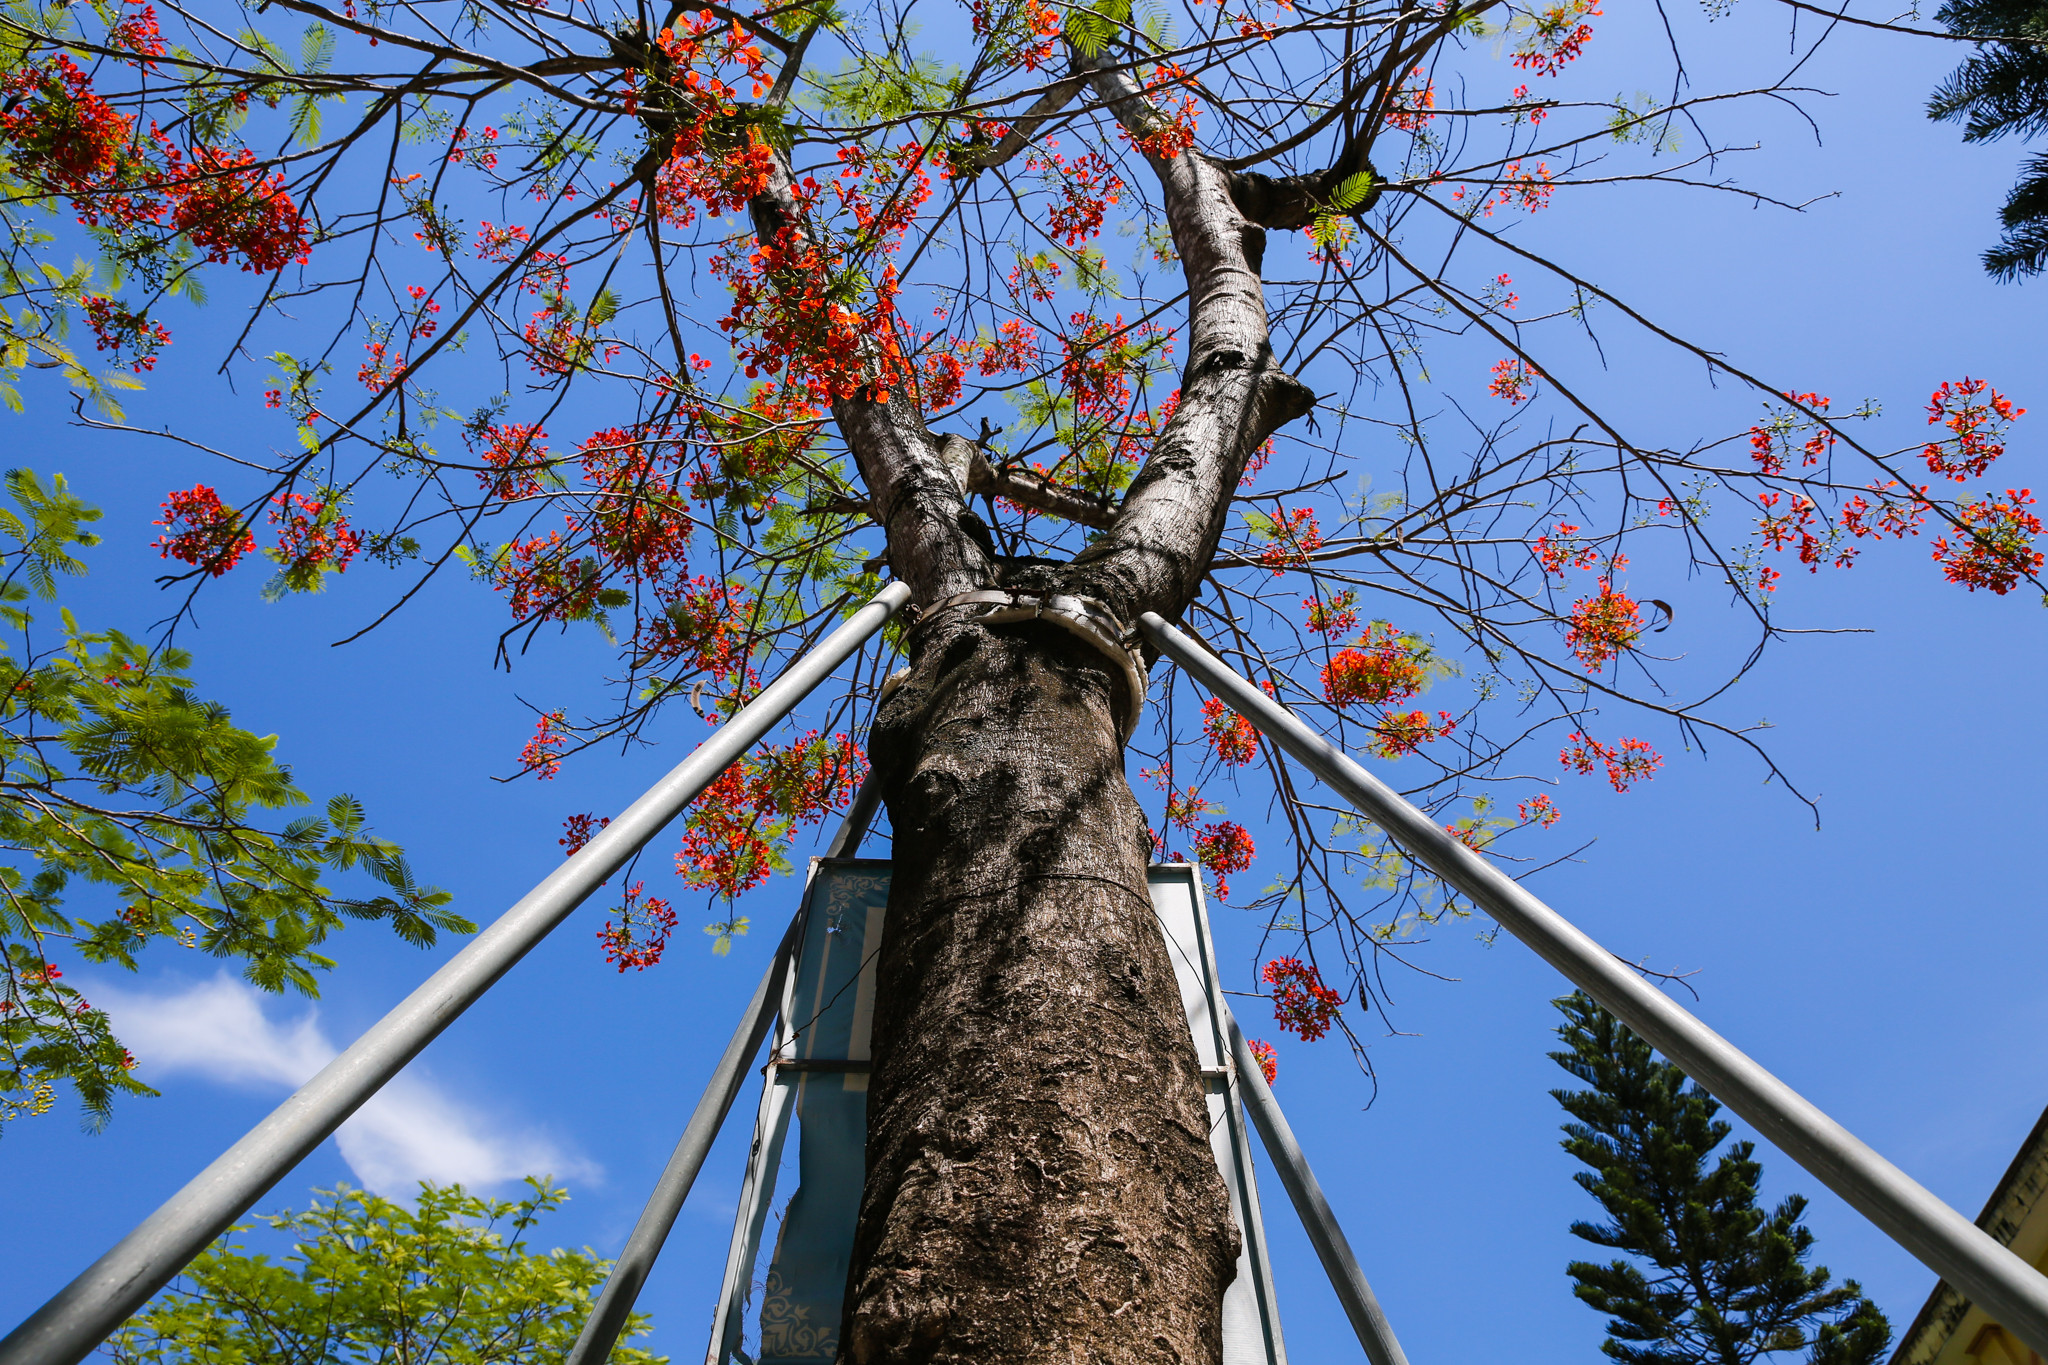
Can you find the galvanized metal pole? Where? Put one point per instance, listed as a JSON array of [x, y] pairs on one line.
[[66, 1328], [2006, 1287], [860, 813], [622, 1287], [1375, 1334]]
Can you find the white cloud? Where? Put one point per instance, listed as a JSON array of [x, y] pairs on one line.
[[411, 1130]]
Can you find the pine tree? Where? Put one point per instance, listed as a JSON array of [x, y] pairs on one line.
[[1726, 1282], [2004, 89]]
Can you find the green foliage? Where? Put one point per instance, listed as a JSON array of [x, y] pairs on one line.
[[1352, 194], [1091, 28], [37, 304], [367, 1280], [876, 87], [1728, 1282], [115, 776], [2003, 89]]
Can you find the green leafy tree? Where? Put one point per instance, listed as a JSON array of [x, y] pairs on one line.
[[115, 777], [453, 1283], [2004, 89], [1716, 1279]]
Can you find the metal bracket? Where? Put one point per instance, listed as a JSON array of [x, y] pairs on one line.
[[1084, 617]]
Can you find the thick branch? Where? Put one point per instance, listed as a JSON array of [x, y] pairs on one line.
[[1056, 97], [1234, 395], [1286, 202], [1029, 488], [1025, 487]]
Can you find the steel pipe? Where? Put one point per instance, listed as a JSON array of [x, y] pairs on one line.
[[2005, 1286], [622, 1287], [1333, 1249], [860, 813], [64, 1330]]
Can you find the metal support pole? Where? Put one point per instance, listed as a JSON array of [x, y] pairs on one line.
[[71, 1324], [2006, 1287], [1374, 1332], [622, 1287], [867, 799]]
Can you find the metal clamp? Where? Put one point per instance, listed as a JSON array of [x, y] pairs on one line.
[[1083, 617]]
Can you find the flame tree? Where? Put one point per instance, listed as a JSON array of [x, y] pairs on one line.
[[687, 324]]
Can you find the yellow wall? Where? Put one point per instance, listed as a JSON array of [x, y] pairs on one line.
[[1953, 1331]]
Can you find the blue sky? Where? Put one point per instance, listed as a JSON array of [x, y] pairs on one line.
[[1886, 964]]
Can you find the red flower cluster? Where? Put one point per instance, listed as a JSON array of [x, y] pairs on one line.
[[1302, 1004], [1097, 369], [1768, 443], [1398, 734], [1627, 763], [1335, 615], [1999, 550], [1514, 380], [787, 319], [1015, 350], [734, 833], [482, 154], [312, 536], [1977, 426], [1178, 133], [539, 757], [1031, 33], [1534, 113], [641, 936], [1183, 809], [230, 210], [1559, 36], [1234, 738], [1893, 515], [1223, 848], [1601, 627], [62, 137], [1384, 668], [382, 369], [1539, 810], [1294, 535], [707, 625], [116, 329], [1554, 556], [212, 536], [1531, 189], [1087, 189], [137, 33], [578, 830], [1410, 108], [516, 459], [1268, 1060]]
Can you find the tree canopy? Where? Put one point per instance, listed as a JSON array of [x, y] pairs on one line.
[[453, 1281], [684, 325]]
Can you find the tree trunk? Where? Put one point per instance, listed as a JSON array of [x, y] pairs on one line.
[[1040, 1186]]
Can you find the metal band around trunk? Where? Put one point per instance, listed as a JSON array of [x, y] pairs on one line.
[[1083, 617]]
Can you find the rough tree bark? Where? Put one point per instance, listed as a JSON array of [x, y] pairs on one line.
[[1040, 1185]]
